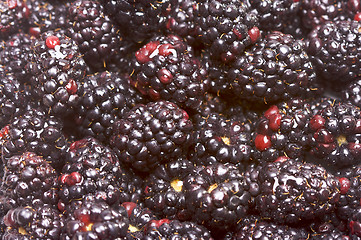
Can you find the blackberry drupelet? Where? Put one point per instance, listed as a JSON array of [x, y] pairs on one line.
[[276, 69], [226, 28], [282, 131], [93, 169], [13, 98], [165, 69], [94, 219], [56, 72], [152, 134], [352, 93], [33, 222], [174, 229], [28, 181], [106, 97], [355, 223], [163, 190], [35, 131], [46, 16], [220, 139], [334, 134], [97, 37], [292, 192], [13, 17], [217, 196], [316, 12], [139, 217], [273, 15], [15, 53], [334, 50], [139, 20]]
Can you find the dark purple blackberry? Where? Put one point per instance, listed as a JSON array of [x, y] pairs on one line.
[[217, 196], [37, 132], [46, 16], [181, 21], [225, 27], [152, 134], [56, 72], [94, 219], [139, 20], [334, 50], [28, 180], [92, 168], [274, 69], [98, 39], [316, 12], [33, 222], [106, 98], [13, 98], [13, 19], [282, 131], [350, 192], [164, 192], [331, 235], [175, 229], [334, 134], [139, 217], [165, 69], [260, 229], [355, 223], [352, 93], [15, 53], [293, 192], [220, 139], [353, 10], [273, 15]]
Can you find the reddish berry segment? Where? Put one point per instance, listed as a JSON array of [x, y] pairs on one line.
[[254, 34], [345, 185], [143, 54], [52, 41], [262, 142], [71, 87], [357, 17], [317, 122]]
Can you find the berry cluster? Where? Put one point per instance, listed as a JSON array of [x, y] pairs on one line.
[[180, 119]]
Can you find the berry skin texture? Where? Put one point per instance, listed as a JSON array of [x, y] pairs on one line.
[[152, 134]]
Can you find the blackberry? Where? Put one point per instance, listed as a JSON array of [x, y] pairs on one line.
[[152, 134], [275, 69], [15, 54], [352, 93], [316, 12], [334, 235], [98, 39], [165, 69], [292, 192], [96, 220], [33, 222], [273, 15], [13, 17], [226, 28], [139, 20], [219, 139], [164, 192], [350, 192], [13, 98], [28, 181], [139, 217], [92, 168], [37, 132], [282, 131], [334, 134], [46, 16], [106, 98], [56, 71], [333, 48], [261, 229], [355, 223], [217, 196], [174, 229]]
